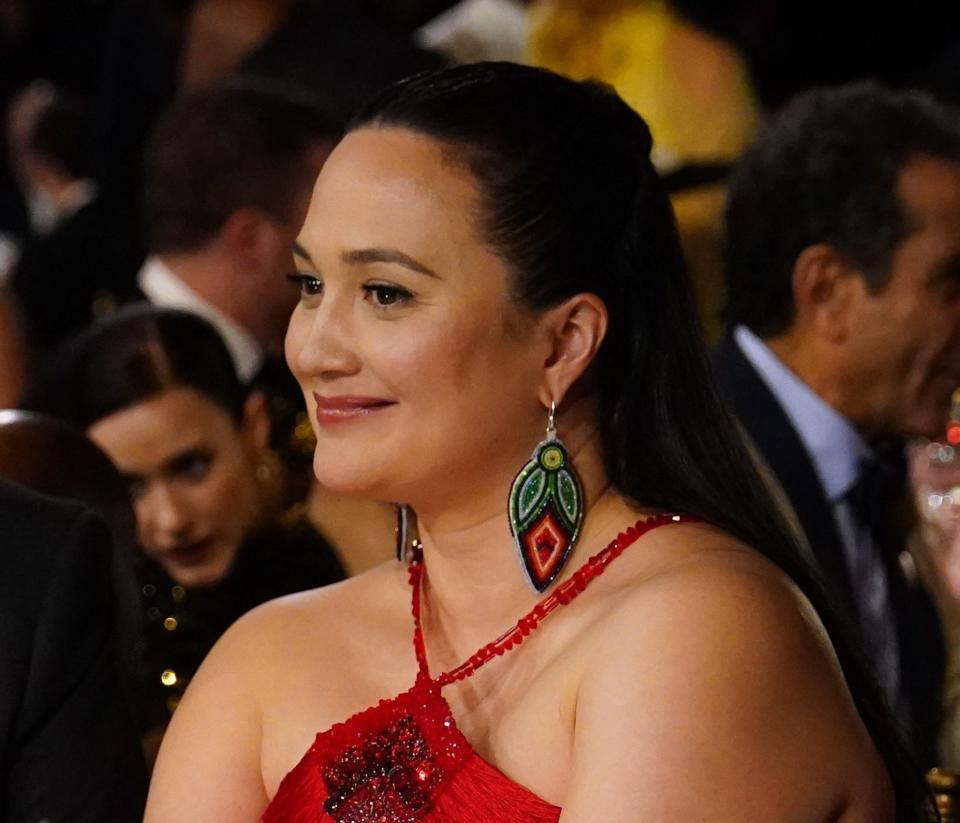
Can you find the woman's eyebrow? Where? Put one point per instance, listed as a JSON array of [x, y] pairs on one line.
[[363, 256], [300, 251]]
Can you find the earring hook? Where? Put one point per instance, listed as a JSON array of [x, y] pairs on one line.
[[551, 420]]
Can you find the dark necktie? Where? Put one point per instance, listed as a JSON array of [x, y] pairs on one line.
[[872, 502], [874, 497]]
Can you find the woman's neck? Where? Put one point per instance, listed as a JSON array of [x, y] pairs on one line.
[[474, 587]]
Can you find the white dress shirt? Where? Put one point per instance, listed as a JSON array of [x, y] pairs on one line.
[[163, 288], [837, 450]]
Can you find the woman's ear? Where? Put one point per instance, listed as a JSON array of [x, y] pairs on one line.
[[576, 328], [256, 421]]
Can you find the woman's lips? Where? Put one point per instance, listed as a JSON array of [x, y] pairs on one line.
[[344, 408], [190, 554]]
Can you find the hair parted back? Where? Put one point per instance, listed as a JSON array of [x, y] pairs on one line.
[[132, 356], [569, 199], [826, 170], [227, 147]]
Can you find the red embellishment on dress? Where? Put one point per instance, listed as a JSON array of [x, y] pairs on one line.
[[387, 763], [405, 761]]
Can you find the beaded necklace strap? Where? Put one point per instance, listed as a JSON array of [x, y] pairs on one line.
[[563, 594]]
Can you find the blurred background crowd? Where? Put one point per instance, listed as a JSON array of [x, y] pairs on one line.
[[156, 162]]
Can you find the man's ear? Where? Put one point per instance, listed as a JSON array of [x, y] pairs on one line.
[[256, 421], [244, 234], [575, 328], [825, 286]]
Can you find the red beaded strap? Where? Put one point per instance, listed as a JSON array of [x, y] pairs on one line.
[[563, 594]]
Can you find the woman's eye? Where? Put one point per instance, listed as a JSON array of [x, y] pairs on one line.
[[384, 296], [191, 467], [309, 286], [197, 468]]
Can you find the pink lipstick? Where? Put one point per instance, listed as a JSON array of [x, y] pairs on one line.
[[344, 408]]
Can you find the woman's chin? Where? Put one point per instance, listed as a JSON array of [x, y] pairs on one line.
[[353, 481], [206, 566], [197, 577]]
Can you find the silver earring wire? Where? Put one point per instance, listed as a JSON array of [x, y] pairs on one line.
[[551, 421]]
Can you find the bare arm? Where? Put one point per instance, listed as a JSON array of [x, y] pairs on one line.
[[209, 763], [714, 698]]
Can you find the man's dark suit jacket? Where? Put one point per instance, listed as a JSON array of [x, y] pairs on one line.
[[68, 748], [922, 654], [93, 255]]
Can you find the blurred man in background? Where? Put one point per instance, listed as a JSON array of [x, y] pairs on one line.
[[843, 275], [229, 176]]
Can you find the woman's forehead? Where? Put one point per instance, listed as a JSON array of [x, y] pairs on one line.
[[392, 187], [394, 172]]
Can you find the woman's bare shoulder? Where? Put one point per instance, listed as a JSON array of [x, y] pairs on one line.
[[714, 656], [701, 583], [699, 560], [346, 594], [314, 620]]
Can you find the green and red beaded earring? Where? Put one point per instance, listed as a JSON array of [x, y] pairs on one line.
[[546, 509]]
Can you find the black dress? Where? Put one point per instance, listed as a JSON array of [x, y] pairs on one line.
[[180, 625]]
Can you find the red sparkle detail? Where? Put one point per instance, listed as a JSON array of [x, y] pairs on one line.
[[380, 777], [390, 761], [953, 434]]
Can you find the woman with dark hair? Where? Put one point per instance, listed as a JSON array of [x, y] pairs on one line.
[[488, 253], [157, 391]]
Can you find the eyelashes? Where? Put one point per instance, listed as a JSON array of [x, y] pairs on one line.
[[380, 295], [307, 285], [384, 296]]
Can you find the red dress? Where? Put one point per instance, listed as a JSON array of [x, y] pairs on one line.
[[405, 761]]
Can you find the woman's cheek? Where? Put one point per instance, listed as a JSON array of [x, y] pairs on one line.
[[294, 341]]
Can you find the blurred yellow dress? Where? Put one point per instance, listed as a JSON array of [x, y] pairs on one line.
[[691, 87]]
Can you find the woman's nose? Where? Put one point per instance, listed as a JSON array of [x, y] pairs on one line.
[[321, 343], [168, 517]]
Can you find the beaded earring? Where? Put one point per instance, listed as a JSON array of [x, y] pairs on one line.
[[546, 509]]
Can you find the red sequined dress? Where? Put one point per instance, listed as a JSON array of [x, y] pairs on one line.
[[405, 761]]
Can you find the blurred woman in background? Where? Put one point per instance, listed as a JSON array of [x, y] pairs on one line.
[[157, 391]]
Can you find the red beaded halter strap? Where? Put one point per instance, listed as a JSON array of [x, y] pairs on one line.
[[563, 594]]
